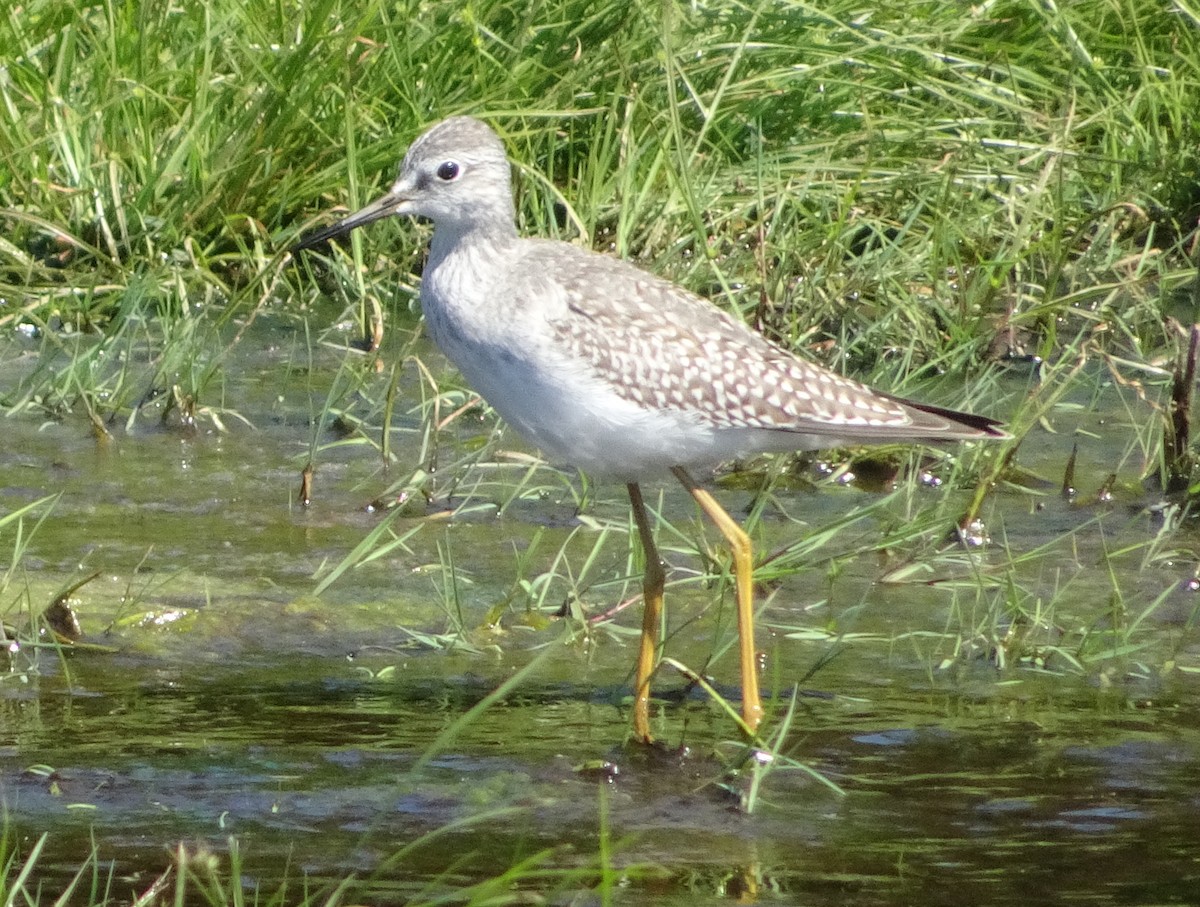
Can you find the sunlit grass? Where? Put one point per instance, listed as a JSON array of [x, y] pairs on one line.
[[198, 874], [992, 206]]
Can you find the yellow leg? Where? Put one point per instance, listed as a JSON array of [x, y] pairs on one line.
[[743, 569], [652, 591]]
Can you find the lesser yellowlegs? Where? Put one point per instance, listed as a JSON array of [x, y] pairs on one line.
[[615, 371]]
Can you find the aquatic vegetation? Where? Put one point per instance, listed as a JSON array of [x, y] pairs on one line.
[[990, 206]]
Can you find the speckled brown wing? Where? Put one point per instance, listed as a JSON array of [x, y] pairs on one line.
[[662, 347]]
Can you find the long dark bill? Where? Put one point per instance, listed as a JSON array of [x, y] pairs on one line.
[[378, 209]]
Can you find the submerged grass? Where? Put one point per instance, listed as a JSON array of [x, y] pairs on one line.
[[199, 875]]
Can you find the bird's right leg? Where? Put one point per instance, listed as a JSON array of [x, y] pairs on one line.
[[653, 582], [743, 573]]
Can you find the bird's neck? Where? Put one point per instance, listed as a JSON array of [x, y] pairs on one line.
[[459, 288], [471, 238]]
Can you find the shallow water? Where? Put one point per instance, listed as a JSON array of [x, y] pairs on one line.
[[226, 697]]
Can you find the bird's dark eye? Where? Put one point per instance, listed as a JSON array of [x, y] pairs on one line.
[[448, 171]]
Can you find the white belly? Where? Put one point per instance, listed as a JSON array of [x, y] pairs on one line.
[[502, 343], [578, 420]]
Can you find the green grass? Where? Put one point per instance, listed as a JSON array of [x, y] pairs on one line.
[[928, 172], [921, 194], [198, 875], [904, 191]]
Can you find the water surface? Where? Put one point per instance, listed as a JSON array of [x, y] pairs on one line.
[[1012, 725]]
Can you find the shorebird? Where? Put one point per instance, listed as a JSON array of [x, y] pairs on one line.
[[617, 372]]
